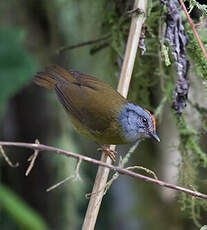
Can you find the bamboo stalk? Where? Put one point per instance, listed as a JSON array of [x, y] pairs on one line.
[[123, 86], [131, 49]]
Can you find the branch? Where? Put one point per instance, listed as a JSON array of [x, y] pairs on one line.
[[193, 28], [7, 159], [64, 48], [41, 147], [76, 176], [32, 159]]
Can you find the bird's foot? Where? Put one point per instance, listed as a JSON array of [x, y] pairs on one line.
[[109, 152]]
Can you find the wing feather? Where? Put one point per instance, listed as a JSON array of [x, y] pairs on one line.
[[94, 103], [91, 104]]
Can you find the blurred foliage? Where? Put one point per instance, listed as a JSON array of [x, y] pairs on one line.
[[68, 22], [198, 58], [201, 7], [16, 64], [25, 217], [193, 157]]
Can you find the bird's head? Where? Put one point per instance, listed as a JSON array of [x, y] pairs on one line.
[[137, 123]]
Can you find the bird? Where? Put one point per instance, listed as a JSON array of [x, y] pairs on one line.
[[95, 109]]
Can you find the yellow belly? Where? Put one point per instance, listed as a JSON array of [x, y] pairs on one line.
[[111, 135]]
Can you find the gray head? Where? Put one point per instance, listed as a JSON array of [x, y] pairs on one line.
[[137, 123]]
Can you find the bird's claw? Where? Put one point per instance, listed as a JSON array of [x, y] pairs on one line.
[[109, 152]]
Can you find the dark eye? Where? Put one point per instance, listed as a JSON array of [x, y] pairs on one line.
[[144, 120]]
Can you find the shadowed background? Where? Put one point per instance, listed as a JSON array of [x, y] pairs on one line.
[[31, 33]]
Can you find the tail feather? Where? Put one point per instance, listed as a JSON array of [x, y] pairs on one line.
[[51, 76], [44, 80]]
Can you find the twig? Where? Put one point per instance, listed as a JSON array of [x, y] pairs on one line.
[[128, 155], [42, 147], [64, 48], [7, 159], [59, 183], [159, 109], [134, 12], [32, 159], [193, 213], [122, 162], [76, 176], [88, 195], [109, 183], [144, 169], [193, 28], [117, 174]]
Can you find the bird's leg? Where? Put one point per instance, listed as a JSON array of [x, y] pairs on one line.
[[109, 152]]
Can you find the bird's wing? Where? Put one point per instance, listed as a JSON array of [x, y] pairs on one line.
[[92, 102]]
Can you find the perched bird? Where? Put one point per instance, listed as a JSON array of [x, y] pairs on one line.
[[95, 109]]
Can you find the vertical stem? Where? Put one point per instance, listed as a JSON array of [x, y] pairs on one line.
[[131, 49], [123, 86], [97, 194]]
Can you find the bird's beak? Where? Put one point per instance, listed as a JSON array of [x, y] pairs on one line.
[[154, 135]]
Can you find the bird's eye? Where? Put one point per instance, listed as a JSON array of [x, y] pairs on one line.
[[144, 120]]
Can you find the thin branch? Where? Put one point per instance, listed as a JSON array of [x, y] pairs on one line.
[[121, 164], [144, 169], [193, 213], [59, 183], [134, 12], [42, 147], [7, 159], [193, 28], [128, 155], [90, 194], [76, 176], [64, 48], [32, 159]]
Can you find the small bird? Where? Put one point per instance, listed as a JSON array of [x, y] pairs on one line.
[[95, 109]]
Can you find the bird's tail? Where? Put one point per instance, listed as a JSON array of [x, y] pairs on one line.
[[51, 76]]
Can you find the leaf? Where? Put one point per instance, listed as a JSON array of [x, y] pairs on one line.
[[19, 211]]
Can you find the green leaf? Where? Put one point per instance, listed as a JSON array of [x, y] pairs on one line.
[[17, 65], [19, 211]]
